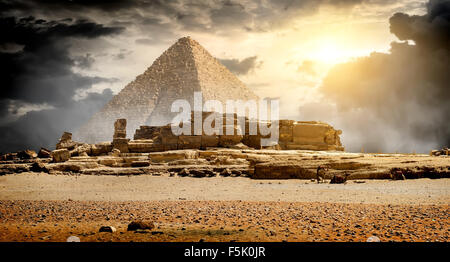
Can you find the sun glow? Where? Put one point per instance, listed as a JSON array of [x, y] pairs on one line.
[[329, 53]]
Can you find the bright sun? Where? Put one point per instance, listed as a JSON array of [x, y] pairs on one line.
[[330, 53]]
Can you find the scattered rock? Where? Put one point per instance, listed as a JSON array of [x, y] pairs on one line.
[[44, 153], [373, 239], [236, 173], [38, 167], [226, 172], [397, 174], [184, 172], [339, 179], [65, 142], [443, 152], [109, 229], [135, 225], [84, 154], [73, 239], [197, 173], [115, 152], [27, 154]]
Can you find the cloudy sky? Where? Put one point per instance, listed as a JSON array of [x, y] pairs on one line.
[[376, 69]]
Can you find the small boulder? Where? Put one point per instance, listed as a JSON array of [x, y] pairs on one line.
[[84, 149], [73, 239], [184, 172], [135, 225], [27, 154], [65, 142], [397, 175], [115, 152], [226, 172], [44, 153], [109, 229], [339, 179], [210, 173], [373, 239], [236, 173], [66, 136], [60, 155], [197, 173], [38, 167], [84, 154]]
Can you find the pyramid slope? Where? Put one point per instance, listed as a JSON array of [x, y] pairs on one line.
[[216, 81], [181, 70], [213, 79]]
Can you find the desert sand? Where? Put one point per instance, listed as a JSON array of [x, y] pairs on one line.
[[43, 207]]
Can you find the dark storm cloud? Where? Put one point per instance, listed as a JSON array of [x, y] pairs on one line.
[[241, 67], [85, 61], [42, 70], [430, 31], [42, 128], [40, 73], [402, 96], [71, 5], [205, 16]]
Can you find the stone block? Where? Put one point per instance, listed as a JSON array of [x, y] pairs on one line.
[[189, 142], [209, 141], [120, 134], [164, 157], [141, 146], [44, 153], [101, 149], [306, 133], [253, 141], [120, 124], [121, 144], [60, 155], [229, 140]]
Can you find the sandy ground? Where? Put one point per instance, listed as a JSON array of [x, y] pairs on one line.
[[32, 186], [43, 207], [221, 221]]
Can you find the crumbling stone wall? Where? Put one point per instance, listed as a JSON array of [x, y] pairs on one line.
[[293, 135]]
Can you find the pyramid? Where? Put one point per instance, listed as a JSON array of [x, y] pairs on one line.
[[186, 67]]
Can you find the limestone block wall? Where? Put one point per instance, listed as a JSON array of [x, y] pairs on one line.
[[293, 135]]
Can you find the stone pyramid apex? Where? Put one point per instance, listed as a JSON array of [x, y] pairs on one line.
[[186, 40]]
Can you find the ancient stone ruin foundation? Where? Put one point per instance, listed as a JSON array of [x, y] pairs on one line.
[[293, 135]]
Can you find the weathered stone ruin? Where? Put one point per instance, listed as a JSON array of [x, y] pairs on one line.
[[120, 141], [443, 152], [293, 135], [159, 157]]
